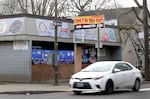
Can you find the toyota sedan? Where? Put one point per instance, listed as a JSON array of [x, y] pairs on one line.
[[106, 76]]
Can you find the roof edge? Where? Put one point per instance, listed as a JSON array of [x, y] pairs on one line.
[[34, 16]]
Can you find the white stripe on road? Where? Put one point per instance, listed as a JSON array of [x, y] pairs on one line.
[[145, 89]]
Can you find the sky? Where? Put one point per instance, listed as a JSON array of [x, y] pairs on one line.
[[130, 3]]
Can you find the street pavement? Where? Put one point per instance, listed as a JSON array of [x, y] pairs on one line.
[[32, 88], [37, 88]]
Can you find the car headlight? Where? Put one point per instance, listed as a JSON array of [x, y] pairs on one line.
[[72, 78], [97, 78]]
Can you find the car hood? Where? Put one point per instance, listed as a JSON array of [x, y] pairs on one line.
[[89, 74]]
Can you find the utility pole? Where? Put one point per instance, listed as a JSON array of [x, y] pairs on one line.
[[55, 48], [98, 43], [99, 26], [146, 40]]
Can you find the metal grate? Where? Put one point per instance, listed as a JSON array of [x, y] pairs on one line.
[[85, 85]]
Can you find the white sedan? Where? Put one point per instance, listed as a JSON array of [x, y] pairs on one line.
[[106, 76]]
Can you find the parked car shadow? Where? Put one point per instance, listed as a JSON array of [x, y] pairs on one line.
[[114, 93]]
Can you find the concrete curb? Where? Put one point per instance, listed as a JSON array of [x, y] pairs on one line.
[[31, 92], [146, 82]]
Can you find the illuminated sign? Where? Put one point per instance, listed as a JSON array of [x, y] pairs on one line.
[[84, 20]]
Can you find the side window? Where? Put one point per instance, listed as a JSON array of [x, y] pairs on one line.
[[119, 66], [127, 67], [123, 66]]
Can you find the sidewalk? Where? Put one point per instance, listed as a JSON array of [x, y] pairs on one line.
[[37, 88], [23, 88]]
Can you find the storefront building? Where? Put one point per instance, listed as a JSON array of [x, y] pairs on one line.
[[27, 41]]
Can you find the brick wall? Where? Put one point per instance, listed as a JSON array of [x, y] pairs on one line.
[[45, 72]]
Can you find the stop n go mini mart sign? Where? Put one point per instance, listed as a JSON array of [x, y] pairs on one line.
[[88, 20]]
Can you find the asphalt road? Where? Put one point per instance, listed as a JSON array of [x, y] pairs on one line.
[[144, 93], [69, 95]]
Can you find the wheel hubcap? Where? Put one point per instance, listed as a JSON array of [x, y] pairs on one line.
[[137, 85]]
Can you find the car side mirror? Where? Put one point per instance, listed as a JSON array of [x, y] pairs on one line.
[[116, 70]]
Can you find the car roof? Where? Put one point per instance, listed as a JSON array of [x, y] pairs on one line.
[[113, 62]]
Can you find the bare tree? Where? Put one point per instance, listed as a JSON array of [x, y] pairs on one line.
[[9, 7], [141, 7], [47, 7], [35, 7], [135, 28], [132, 31], [42, 7], [76, 6]]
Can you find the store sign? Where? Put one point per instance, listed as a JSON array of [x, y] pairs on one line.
[[20, 45], [141, 35], [84, 20], [57, 23]]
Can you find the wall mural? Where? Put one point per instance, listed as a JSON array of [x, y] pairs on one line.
[[11, 26], [46, 28], [88, 34], [89, 55], [40, 56], [106, 34]]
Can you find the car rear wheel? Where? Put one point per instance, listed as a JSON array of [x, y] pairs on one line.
[[77, 92], [109, 87], [136, 86]]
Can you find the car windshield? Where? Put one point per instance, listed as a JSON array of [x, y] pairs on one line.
[[98, 67]]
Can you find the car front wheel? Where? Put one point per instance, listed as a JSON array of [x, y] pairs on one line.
[[109, 87], [136, 86]]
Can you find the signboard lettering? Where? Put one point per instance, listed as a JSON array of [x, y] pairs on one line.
[[81, 20]]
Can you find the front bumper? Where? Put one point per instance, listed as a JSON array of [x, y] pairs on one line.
[[87, 85]]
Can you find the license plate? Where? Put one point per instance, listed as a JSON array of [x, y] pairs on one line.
[[80, 84]]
